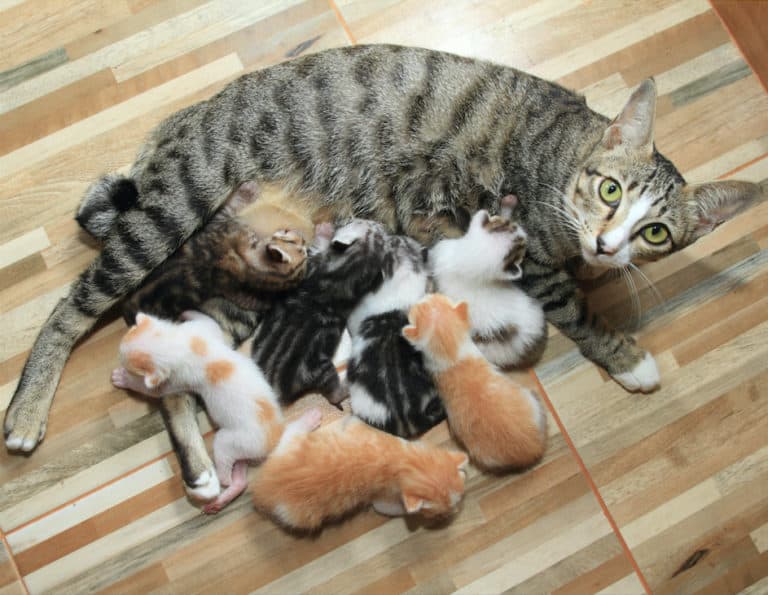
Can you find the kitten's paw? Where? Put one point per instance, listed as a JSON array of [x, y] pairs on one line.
[[206, 487], [310, 420], [213, 507], [122, 378], [644, 377]]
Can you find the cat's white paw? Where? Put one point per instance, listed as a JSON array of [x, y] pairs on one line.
[[206, 487], [644, 377]]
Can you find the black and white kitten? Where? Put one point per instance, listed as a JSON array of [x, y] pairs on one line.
[[389, 386], [481, 268], [295, 342]]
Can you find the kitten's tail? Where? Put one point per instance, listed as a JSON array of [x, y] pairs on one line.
[[104, 200]]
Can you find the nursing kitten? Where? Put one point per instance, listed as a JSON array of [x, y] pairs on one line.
[[389, 387], [482, 268], [418, 140], [311, 478], [228, 259], [162, 358], [500, 423], [296, 339]]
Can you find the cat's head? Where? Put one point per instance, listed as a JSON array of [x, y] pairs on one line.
[[500, 245], [438, 328], [432, 479], [630, 204]]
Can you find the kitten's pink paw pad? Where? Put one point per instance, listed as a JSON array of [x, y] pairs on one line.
[[121, 378], [213, 507]]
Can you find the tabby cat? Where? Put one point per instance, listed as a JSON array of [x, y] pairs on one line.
[[389, 387], [418, 140], [295, 341]]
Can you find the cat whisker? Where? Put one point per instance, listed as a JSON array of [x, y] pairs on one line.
[[562, 215], [633, 295], [648, 282]]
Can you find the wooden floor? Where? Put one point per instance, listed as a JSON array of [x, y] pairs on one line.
[[663, 492]]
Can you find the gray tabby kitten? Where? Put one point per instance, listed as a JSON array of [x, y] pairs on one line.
[[389, 386], [418, 140]]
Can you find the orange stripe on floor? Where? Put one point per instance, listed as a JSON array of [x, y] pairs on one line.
[[591, 482], [342, 22]]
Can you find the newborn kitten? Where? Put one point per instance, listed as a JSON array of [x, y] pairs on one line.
[[225, 260], [388, 385], [296, 340], [162, 358], [480, 268], [500, 423], [314, 477]]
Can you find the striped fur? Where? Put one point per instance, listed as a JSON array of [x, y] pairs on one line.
[[295, 342], [389, 386], [416, 139]]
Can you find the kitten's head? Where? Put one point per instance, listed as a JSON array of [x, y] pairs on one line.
[[160, 350], [631, 204], [432, 479], [438, 327], [499, 242], [281, 258], [349, 263]]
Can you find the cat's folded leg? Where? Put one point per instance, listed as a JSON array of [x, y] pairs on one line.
[[197, 470], [329, 384], [308, 422], [566, 308]]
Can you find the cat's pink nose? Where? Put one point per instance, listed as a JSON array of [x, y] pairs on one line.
[[603, 248]]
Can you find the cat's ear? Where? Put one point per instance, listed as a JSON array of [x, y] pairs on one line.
[[412, 504], [633, 127], [277, 254], [345, 237], [716, 202], [411, 333], [462, 309], [461, 459]]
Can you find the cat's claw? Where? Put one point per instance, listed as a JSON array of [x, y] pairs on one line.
[[644, 377]]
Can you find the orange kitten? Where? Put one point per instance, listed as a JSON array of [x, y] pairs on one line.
[[312, 477], [500, 423]]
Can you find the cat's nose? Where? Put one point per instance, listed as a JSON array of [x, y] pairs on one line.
[[602, 248]]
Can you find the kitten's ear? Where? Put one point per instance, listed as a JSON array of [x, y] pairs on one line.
[[411, 333], [633, 127], [155, 379], [141, 317], [461, 459], [412, 504], [276, 254], [462, 309], [344, 238], [716, 202]]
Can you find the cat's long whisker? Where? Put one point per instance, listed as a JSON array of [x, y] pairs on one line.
[[649, 283], [634, 296]]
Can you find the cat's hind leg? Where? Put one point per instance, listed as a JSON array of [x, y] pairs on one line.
[[234, 489]]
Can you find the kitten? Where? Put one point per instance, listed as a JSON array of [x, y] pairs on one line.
[[161, 358], [311, 478], [388, 385], [295, 342], [500, 423], [418, 140], [481, 268], [228, 260]]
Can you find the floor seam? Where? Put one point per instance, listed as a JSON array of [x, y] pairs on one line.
[[342, 22], [12, 559], [585, 472]]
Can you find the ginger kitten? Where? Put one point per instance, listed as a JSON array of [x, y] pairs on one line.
[[162, 358], [311, 478], [500, 423]]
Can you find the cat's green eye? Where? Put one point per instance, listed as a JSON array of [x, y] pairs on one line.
[[655, 233], [610, 192]]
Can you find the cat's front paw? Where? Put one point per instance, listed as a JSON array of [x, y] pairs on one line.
[[206, 487], [644, 377]]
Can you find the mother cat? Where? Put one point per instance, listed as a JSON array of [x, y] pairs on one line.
[[418, 140]]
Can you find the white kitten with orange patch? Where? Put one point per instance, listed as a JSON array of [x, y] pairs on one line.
[[162, 358]]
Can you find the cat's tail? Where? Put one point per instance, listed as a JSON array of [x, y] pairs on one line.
[[104, 200]]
